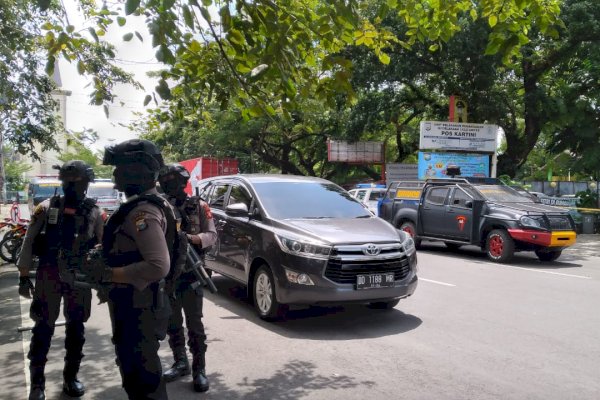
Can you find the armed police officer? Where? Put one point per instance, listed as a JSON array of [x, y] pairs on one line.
[[197, 222], [61, 231], [137, 246]]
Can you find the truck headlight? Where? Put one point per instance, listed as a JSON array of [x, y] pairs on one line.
[[303, 248], [530, 222]]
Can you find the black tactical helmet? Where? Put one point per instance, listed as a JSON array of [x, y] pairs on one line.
[[134, 151], [174, 169], [74, 169]]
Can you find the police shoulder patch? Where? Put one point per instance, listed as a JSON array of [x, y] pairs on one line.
[[140, 221], [38, 210], [207, 211]]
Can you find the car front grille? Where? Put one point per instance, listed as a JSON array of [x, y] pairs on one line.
[[559, 223], [347, 262]]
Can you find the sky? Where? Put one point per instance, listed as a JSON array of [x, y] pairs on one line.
[[133, 56]]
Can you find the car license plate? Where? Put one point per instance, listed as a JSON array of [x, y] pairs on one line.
[[373, 281]]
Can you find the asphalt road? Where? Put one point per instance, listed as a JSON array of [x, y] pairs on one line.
[[473, 330]]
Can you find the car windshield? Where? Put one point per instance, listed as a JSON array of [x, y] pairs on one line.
[[503, 194], [298, 200], [47, 190], [98, 192]]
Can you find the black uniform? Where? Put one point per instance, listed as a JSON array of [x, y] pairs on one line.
[[69, 232]]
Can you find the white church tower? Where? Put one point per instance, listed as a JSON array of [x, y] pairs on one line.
[[50, 157]]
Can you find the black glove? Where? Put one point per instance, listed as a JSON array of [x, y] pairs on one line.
[[100, 275], [26, 287]]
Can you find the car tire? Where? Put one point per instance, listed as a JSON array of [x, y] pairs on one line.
[[264, 295], [411, 229], [499, 246], [453, 246], [9, 249], [548, 255], [384, 305]]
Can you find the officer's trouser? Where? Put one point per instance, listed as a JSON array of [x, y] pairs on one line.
[[44, 310], [190, 301], [136, 346]]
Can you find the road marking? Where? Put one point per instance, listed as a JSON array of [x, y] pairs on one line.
[[547, 272], [437, 282], [25, 339]]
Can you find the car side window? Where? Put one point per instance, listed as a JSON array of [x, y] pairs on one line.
[[361, 194], [460, 198], [239, 194], [216, 197], [437, 195]]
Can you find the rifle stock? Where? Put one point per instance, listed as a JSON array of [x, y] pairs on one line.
[[195, 265]]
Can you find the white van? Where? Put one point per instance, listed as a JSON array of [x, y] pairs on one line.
[[107, 197], [369, 196]]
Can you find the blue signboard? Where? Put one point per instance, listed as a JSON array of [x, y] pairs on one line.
[[434, 165]]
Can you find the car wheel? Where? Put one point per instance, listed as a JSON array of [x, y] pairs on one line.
[[453, 246], [548, 255], [265, 300], [384, 305], [9, 249], [499, 246], [410, 228]]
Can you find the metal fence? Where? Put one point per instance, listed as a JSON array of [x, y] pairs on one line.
[[563, 188]]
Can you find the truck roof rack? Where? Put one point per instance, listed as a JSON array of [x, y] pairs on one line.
[[468, 179]]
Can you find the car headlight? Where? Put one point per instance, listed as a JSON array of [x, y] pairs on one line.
[[409, 246], [303, 248], [531, 222]]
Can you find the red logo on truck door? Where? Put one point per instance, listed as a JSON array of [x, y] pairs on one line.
[[461, 219]]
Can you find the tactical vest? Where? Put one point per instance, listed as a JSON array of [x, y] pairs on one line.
[[65, 232], [173, 239], [191, 216]]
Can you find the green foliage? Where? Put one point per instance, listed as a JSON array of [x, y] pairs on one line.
[[78, 145], [587, 199]]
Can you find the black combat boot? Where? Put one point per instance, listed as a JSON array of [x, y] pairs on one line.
[[71, 385], [38, 382], [200, 381], [180, 367]]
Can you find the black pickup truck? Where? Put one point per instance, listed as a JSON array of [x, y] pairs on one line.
[[478, 211]]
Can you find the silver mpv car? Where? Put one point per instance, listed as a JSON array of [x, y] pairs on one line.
[[305, 240]]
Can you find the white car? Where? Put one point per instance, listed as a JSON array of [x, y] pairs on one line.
[[369, 196]]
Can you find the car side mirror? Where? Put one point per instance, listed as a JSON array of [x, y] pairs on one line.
[[237, 210], [469, 204]]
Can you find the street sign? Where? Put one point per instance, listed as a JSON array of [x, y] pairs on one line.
[[458, 136], [398, 172]]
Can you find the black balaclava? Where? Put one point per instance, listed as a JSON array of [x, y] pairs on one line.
[[74, 192], [174, 187], [134, 178]]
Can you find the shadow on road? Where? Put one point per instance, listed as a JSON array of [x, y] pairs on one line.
[[526, 259], [294, 380], [346, 322]]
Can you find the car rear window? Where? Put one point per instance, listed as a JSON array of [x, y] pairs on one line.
[[297, 200]]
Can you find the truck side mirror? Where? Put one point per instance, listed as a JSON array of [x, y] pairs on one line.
[[469, 204]]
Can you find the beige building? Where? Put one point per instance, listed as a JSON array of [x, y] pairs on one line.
[[50, 157]]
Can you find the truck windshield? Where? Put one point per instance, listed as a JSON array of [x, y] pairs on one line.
[[46, 190], [298, 200], [503, 194]]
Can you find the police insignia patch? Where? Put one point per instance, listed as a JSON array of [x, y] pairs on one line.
[[140, 222], [207, 211]]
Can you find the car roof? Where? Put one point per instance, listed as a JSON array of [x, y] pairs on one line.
[[262, 178]]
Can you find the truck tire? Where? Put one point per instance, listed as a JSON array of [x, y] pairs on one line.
[[411, 229], [548, 255], [499, 246]]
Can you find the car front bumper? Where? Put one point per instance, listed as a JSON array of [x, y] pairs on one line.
[[558, 239], [324, 291]]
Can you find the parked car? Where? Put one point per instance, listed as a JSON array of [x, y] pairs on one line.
[[370, 196], [305, 240]]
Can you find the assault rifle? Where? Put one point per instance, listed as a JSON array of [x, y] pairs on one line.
[[195, 264], [80, 274]]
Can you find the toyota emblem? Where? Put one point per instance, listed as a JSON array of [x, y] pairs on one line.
[[371, 249]]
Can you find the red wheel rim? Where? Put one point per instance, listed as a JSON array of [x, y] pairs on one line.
[[408, 229], [496, 246]]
